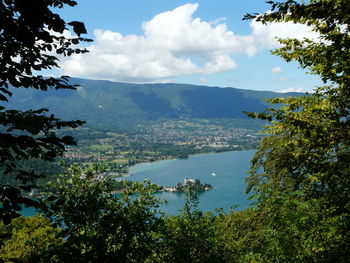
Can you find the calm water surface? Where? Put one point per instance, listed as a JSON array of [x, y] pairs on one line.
[[231, 169]]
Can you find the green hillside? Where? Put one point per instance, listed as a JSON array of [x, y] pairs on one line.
[[125, 104]]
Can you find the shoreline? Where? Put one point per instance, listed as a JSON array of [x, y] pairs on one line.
[[189, 156]]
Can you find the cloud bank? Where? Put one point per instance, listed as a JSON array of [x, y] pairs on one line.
[[174, 43], [276, 70]]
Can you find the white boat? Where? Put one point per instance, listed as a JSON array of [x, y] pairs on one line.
[[213, 174]]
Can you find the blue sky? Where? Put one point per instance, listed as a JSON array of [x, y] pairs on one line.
[[203, 42]]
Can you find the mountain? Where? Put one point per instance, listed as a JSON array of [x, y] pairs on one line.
[[126, 104]]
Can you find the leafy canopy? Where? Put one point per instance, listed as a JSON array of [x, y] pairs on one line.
[[99, 226], [31, 239], [305, 159], [32, 35]]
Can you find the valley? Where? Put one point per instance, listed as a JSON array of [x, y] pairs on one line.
[[168, 139], [128, 123]]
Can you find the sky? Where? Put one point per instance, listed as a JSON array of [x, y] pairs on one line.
[[204, 42]]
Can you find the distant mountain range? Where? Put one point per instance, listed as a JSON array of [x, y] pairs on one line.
[[126, 104]]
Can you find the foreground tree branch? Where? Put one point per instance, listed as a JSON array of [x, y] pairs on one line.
[[32, 35]]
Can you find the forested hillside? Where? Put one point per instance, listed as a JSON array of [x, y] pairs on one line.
[[114, 104]]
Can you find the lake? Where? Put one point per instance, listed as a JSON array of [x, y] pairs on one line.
[[231, 169]]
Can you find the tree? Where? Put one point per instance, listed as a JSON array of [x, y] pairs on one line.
[[31, 38], [305, 159], [242, 236], [31, 239], [191, 235], [100, 227]]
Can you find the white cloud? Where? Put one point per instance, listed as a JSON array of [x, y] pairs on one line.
[[204, 81], [173, 43], [293, 89], [283, 79], [264, 36], [276, 70], [218, 20]]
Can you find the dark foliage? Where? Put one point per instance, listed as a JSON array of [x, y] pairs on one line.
[[31, 36]]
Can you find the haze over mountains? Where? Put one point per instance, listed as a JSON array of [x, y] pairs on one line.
[[126, 104]]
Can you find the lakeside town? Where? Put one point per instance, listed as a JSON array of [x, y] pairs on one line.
[[165, 140]]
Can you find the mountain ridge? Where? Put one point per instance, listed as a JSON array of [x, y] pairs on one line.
[[111, 103]]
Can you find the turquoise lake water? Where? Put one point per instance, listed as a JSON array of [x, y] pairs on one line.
[[231, 169]]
